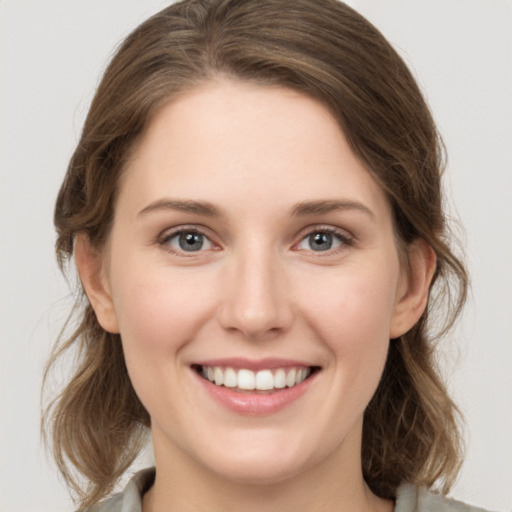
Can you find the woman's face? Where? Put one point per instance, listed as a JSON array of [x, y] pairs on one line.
[[251, 248]]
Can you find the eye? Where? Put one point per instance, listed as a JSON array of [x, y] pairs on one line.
[[323, 240], [187, 241]]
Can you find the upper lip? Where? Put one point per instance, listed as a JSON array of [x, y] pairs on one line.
[[253, 364]]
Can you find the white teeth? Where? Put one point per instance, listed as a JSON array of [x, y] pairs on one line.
[[290, 378], [263, 380], [280, 379], [246, 379], [219, 376], [230, 378], [300, 376]]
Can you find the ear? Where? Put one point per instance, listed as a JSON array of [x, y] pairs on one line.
[[414, 288], [91, 268]]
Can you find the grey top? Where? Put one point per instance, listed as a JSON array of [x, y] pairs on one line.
[[409, 498]]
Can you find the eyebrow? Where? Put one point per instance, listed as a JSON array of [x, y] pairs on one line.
[[302, 209], [327, 206], [197, 207]]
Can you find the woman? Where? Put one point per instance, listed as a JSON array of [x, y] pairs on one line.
[[255, 213]]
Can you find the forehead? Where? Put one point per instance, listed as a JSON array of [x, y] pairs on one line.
[[232, 139]]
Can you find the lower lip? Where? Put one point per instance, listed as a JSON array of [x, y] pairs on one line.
[[253, 403]]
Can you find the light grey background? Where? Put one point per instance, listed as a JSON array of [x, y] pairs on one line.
[[51, 55]]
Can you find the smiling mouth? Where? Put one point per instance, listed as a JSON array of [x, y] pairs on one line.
[[248, 381]]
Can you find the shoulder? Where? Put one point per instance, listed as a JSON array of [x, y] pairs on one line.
[[130, 499], [413, 499]]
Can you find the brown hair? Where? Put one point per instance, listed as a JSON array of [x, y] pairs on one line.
[[326, 50]]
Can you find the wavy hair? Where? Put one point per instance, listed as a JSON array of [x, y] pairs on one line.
[[326, 50]]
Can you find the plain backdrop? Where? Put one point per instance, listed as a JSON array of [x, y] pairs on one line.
[[51, 55]]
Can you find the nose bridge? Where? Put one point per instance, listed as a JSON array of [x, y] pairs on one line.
[[255, 301]]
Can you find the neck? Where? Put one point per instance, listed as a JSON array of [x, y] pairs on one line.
[[185, 486]]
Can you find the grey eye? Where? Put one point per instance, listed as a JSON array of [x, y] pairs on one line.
[[189, 241], [320, 241]]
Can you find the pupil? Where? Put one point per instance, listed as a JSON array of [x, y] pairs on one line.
[[321, 241], [191, 241]]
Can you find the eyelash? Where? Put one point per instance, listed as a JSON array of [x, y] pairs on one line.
[[342, 236], [164, 240]]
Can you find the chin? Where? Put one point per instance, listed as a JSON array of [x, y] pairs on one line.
[[260, 458], [259, 470]]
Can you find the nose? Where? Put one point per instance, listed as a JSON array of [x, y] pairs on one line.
[[255, 298]]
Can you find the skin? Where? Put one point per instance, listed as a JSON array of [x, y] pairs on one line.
[[258, 288]]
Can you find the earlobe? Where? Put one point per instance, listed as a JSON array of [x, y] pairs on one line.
[[413, 294], [90, 265]]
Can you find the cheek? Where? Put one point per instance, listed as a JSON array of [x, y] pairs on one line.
[[352, 314], [159, 313], [352, 304], [158, 309]]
